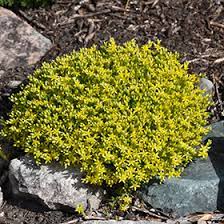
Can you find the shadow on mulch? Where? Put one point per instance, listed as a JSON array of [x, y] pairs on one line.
[[216, 156]]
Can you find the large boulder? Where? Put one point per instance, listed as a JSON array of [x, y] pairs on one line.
[[21, 45], [199, 189], [52, 185]]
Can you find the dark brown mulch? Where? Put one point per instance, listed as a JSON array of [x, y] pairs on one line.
[[194, 28], [15, 214]]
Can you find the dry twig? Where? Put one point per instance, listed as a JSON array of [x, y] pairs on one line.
[[152, 2], [77, 16], [162, 217], [31, 20], [117, 9], [220, 25], [86, 218], [93, 218], [219, 60], [71, 221], [126, 5]]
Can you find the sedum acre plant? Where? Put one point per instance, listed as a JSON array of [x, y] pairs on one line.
[[123, 114]]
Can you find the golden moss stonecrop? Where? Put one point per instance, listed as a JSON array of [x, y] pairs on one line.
[[123, 114]]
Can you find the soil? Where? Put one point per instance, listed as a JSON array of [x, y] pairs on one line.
[[194, 28]]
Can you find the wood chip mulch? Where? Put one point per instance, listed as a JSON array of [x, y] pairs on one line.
[[194, 28]]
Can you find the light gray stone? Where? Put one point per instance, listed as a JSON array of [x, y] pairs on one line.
[[3, 177], [54, 186], [121, 222], [1, 73], [93, 203], [14, 84], [1, 197], [207, 85], [199, 189], [20, 43]]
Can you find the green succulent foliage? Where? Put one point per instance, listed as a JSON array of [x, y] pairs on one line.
[[24, 3], [80, 209], [123, 114]]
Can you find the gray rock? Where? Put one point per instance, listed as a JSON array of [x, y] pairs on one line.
[[1, 197], [1, 73], [207, 85], [14, 84], [217, 130], [191, 193], [199, 189], [54, 186], [121, 222], [20, 43], [93, 203], [3, 176]]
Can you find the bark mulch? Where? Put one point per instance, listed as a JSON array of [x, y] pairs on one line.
[[194, 28]]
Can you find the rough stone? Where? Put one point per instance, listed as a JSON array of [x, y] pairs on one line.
[[121, 222], [207, 85], [3, 177], [200, 188], [52, 185], [14, 84], [1, 197], [20, 43], [217, 130], [1, 73], [93, 203]]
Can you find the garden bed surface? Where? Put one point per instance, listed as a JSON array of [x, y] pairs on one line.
[[193, 28]]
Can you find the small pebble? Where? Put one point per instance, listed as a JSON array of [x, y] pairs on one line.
[[14, 84], [207, 85], [1, 73]]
